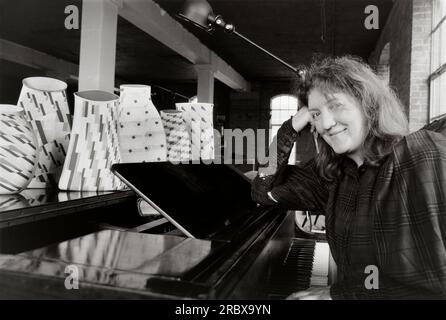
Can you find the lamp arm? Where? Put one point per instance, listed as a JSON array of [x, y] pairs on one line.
[[267, 52]]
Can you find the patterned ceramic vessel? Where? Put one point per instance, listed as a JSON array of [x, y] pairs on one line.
[[45, 104], [141, 133], [18, 150], [178, 142], [200, 124], [94, 144]]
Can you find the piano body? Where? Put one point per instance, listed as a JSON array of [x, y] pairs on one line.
[[101, 240]]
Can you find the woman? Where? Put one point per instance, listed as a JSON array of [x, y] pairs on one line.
[[383, 190]]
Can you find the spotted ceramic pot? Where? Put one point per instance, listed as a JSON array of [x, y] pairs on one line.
[[141, 132]]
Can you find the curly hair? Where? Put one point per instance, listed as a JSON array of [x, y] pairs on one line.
[[386, 121]]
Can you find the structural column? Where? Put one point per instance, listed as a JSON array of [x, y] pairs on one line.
[[205, 90], [98, 44]]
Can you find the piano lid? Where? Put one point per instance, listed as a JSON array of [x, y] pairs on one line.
[[199, 199]]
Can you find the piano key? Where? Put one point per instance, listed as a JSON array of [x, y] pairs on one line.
[[320, 264], [305, 265]]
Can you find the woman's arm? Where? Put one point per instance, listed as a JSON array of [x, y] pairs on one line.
[[292, 187]]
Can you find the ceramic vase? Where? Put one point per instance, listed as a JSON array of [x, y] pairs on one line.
[[18, 150], [141, 133], [200, 125], [94, 144], [45, 104], [178, 142]]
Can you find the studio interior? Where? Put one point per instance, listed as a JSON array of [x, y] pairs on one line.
[[131, 132]]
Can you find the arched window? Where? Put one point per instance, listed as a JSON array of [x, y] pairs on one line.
[[282, 108]]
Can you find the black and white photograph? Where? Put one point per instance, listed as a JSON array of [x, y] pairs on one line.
[[225, 157]]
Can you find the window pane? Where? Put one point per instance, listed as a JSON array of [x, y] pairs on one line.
[[438, 96], [435, 63], [439, 11], [273, 117], [438, 85], [439, 47], [433, 103], [284, 114], [442, 43], [274, 104], [274, 130], [282, 108], [442, 94]]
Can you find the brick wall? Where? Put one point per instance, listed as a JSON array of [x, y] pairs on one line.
[[397, 33], [407, 30]]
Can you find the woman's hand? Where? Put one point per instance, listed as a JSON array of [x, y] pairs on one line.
[[313, 293], [301, 119]]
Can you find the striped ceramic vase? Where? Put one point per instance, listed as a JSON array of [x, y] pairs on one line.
[[18, 150], [94, 144], [45, 104], [141, 132]]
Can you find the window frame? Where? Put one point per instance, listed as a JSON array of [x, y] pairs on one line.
[[438, 53]]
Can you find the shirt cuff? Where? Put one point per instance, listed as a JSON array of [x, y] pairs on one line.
[[288, 130], [271, 197]]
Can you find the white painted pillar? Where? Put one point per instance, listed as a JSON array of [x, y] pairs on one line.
[[98, 44], [205, 90]]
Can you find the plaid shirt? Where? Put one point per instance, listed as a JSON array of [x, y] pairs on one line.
[[392, 216]]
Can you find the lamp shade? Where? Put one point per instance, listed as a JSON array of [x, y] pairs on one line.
[[198, 12]]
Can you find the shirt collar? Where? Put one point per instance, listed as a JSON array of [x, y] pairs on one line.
[[351, 168]]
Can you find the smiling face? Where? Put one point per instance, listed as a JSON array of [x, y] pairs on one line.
[[339, 119]]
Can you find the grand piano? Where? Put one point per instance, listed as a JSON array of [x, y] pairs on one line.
[[51, 239]]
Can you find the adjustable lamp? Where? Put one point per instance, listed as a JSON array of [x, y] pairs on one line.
[[200, 14]]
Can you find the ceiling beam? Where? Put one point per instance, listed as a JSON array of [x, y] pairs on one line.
[[51, 66], [19, 54], [152, 19]]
